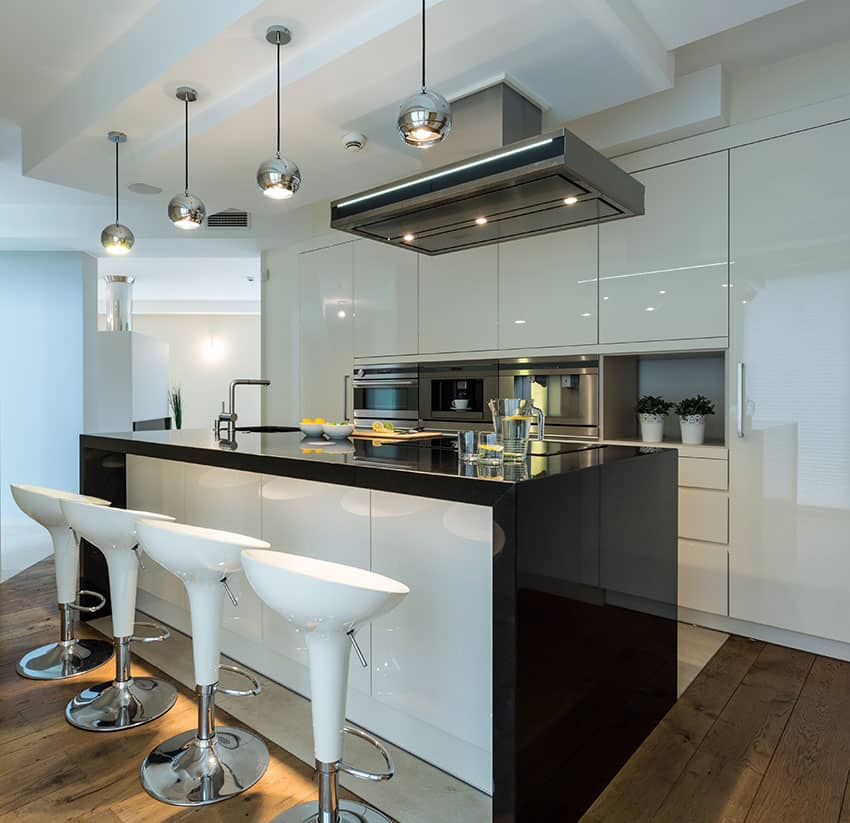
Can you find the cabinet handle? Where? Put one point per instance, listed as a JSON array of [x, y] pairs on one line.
[[740, 410], [345, 396]]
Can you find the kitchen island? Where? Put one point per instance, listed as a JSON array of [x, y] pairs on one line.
[[537, 648]]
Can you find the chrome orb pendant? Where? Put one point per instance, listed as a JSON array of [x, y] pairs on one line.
[[278, 178], [117, 239], [424, 119], [186, 211]]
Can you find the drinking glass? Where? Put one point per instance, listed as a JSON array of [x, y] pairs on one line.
[[491, 450], [466, 447]]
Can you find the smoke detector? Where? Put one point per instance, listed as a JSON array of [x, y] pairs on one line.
[[354, 141]]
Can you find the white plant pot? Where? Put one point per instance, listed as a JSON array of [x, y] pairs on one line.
[[651, 428], [693, 429]]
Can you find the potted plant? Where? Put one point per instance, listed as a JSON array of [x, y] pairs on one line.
[[692, 412], [175, 400], [651, 412]]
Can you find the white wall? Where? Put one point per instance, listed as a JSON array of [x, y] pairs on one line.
[[207, 351], [44, 299]]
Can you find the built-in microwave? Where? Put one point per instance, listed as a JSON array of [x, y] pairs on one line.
[[565, 389], [386, 393], [455, 395]]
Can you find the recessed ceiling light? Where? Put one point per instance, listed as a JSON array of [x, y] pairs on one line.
[[585, 314], [144, 188], [662, 291], [604, 298], [480, 221], [341, 314], [650, 308], [519, 322], [409, 238], [570, 201]]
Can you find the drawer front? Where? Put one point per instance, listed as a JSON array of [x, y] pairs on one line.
[[704, 577], [700, 473], [704, 515]]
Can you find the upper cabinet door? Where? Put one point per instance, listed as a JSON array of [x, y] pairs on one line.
[[385, 300], [458, 301], [789, 478], [548, 290], [327, 346], [664, 276]]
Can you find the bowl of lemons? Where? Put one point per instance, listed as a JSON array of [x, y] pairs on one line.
[[312, 426], [337, 431]]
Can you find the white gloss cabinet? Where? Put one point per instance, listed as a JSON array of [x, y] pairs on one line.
[[322, 521], [664, 276], [548, 290], [326, 296], [458, 301], [385, 300], [432, 656], [790, 471]]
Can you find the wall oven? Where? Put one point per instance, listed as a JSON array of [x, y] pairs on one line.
[[566, 389], [389, 393], [454, 396]]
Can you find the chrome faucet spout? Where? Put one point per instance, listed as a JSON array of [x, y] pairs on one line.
[[229, 417]]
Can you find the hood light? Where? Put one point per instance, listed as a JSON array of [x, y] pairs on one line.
[[570, 201]]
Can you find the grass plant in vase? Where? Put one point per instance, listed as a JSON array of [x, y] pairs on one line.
[[175, 401], [651, 411], [692, 412]]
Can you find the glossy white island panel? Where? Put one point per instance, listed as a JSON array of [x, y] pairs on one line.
[[428, 685]]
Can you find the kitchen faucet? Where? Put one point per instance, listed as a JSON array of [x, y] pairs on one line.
[[229, 417]]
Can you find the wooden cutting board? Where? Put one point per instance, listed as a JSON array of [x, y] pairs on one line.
[[368, 434]]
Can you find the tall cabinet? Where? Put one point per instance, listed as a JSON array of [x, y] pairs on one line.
[[326, 308], [790, 330]]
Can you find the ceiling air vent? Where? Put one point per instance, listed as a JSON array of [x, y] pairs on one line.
[[228, 219]]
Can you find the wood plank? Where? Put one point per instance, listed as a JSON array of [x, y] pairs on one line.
[[642, 784], [807, 777], [722, 778]]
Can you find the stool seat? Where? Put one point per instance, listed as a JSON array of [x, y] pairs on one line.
[[125, 701], [329, 601], [206, 765], [70, 656]]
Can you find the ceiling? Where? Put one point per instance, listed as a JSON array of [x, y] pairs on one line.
[[78, 75]]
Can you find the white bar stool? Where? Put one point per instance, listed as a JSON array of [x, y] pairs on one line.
[[329, 602], [126, 701], [71, 656], [203, 765]]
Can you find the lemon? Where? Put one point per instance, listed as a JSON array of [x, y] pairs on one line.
[[319, 420], [377, 426], [486, 447]]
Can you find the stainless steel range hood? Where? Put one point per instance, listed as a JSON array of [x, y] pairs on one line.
[[519, 189]]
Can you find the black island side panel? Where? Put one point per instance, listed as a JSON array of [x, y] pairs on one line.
[[596, 628]]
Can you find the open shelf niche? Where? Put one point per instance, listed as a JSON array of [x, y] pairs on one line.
[[625, 378]]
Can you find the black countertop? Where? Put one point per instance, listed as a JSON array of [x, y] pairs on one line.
[[425, 468]]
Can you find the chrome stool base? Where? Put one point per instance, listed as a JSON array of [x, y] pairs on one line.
[[349, 812], [188, 771], [113, 706], [59, 661]]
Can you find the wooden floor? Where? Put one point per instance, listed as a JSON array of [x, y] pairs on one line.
[[762, 735], [50, 771]]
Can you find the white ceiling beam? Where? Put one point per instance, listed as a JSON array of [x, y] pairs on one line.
[[167, 34], [629, 33]]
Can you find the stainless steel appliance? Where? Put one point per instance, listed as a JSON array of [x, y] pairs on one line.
[[388, 393], [454, 396], [565, 389]]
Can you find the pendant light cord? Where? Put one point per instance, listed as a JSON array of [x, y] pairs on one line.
[[186, 147], [278, 96], [116, 181], [423, 46]]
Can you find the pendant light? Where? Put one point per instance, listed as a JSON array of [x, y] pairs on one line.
[[116, 239], [186, 210], [278, 178], [425, 118]]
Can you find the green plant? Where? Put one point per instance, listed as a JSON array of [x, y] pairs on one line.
[[650, 404], [694, 405], [175, 401]]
